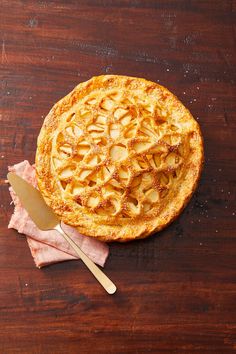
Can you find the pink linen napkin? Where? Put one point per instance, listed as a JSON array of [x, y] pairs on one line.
[[48, 247]]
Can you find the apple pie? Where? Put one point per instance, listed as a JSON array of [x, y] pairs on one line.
[[118, 158]]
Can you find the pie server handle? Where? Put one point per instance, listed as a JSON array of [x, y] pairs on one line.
[[107, 284]]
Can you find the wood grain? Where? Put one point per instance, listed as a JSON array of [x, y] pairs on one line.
[[176, 289]]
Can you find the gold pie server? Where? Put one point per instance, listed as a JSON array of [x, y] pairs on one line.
[[45, 219]]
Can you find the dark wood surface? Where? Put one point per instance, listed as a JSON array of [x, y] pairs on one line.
[[176, 289]]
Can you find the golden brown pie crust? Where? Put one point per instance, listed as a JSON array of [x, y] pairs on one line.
[[119, 157]]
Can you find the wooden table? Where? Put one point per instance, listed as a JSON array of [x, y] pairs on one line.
[[176, 289]]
